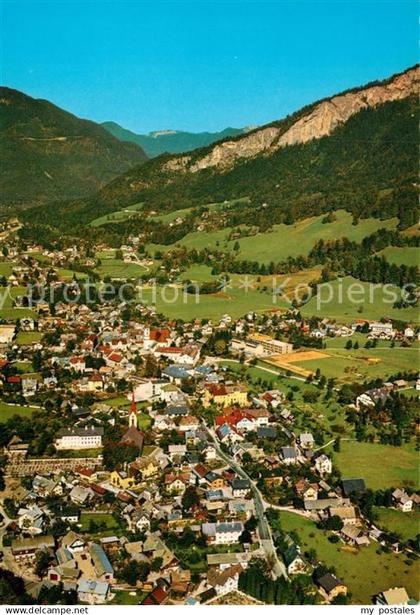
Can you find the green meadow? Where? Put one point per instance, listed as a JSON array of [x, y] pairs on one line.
[[283, 240], [380, 362], [6, 268], [197, 273], [402, 256], [366, 572], [117, 216], [347, 298], [381, 466], [173, 302], [27, 338], [116, 268], [405, 524], [9, 410]]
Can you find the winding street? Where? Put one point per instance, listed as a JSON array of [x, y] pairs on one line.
[[264, 530]]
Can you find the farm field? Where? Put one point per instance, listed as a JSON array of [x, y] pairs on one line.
[[166, 218], [6, 268], [117, 216], [286, 240], [380, 465], [23, 367], [255, 373], [299, 238], [69, 274], [115, 268], [9, 410], [402, 256], [17, 313], [407, 525], [362, 363], [385, 569], [242, 294], [174, 303], [27, 338], [348, 299], [197, 273]]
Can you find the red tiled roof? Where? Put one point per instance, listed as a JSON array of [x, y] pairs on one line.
[[115, 357], [84, 471], [98, 489], [170, 350], [216, 389], [159, 335]]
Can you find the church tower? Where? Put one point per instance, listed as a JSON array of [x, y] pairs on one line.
[[132, 417]]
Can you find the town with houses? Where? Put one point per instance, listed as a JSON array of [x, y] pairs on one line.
[[152, 461]]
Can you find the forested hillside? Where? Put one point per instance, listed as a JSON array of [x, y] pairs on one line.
[[367, 166], [48, 153]]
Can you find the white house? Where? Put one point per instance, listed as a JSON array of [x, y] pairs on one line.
[[222, 533], [402, 500], [323, 464]]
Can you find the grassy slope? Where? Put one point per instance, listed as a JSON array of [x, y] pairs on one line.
[[407, 525], [116, 268], [236, 302], [366, 572], [381, 466], [117, 216], [402, 256], [380, 362], [28, 337], [335, 300], [9, 410], [283, 241]]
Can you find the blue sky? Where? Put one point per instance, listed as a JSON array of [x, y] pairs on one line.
[[200, 65]]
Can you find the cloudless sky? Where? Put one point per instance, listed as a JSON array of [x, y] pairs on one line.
[[200, 65]]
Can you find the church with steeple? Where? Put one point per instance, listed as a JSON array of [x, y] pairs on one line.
[[133, 435]]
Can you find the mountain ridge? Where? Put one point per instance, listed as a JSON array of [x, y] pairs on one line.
[[366, 163], [170, 141], [49, 153]]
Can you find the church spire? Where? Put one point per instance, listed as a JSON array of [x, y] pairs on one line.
[[132, 417]]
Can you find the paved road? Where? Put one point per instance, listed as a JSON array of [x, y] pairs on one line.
[[264, 531]]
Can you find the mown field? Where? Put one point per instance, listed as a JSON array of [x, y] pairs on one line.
[[9, 410], [7, 311], [347, 299], [117, 216], [116, 268], [283, 240], [6, 268], [27, 338], [402, 256], [348, 365], [381, 466], [106, 519], [175, 303], [406, 525], [366, 572]]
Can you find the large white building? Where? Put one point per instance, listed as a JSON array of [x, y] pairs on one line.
[[261, 345], [76, 438], [222, 533]]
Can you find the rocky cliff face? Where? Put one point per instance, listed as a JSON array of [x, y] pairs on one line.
[[320, 122]]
